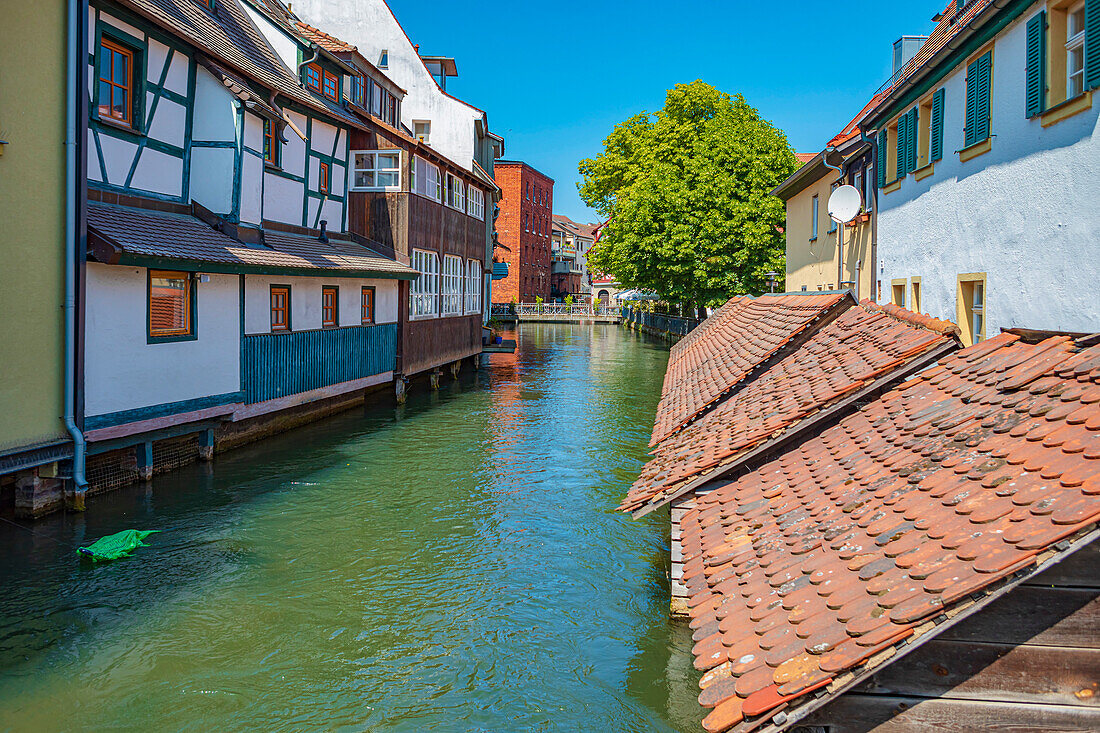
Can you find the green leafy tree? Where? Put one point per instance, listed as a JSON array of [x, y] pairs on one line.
[[686, 192]]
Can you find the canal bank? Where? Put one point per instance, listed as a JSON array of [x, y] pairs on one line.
[[454, 563]]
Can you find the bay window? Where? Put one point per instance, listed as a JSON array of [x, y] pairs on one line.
[[424, 290], [376, 170]]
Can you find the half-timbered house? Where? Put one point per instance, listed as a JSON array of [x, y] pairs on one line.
[[230, 147]]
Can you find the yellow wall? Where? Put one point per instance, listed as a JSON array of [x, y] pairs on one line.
[[32, 197], [813, 264]]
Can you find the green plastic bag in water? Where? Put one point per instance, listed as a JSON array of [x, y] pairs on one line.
[[117, 545]]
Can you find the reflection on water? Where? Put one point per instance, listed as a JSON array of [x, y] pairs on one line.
[[453, 564]]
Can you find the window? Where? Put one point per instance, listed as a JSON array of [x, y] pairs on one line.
[[1075, 51], [914, 290], [384, 60], [424, 290], [356, 93], [280, 307], [313, 78], [869, 189], [422, 130], [971, 307], [330, 307], [271, 143], [456, 192], [426, 180], [528, 190], [813, 218], [476, 201], [367, 306], [322, 177], [389, 109], [376, 101], [473, 286], [116, 82], [978, 105], [330, 86], [897, 292], [526, 226], [857, 181], [170, 304], [452, 285], [376, 170]]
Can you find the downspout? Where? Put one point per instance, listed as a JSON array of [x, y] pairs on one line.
[[839, 225], [873, 142], [310, 60], [80, 484]]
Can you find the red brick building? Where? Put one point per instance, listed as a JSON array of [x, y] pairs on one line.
[[523, 229]]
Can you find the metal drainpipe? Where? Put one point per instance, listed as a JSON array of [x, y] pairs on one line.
[[310, 60], [874, 210], [840, 225], [71, 183]]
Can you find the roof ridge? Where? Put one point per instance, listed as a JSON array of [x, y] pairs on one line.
[[912, 318]]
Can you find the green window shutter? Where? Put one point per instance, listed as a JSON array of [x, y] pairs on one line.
[[903, 147], [1092, 44], [969, 131], [985, 108], [935, 143], [1036, 64], [913, 126], [880, 159]]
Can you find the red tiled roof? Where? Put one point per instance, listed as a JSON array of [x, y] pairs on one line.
[[322, 39], [726, 347], [847, 355], [850, 130], [811, 570], [179, 237], [805, 158]]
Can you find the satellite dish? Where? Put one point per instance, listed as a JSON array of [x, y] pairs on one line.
[[844, 204]]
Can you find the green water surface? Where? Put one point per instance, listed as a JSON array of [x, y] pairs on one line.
[[453, 564]]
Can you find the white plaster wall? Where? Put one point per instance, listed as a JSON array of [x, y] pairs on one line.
[[252, 188], [1027, 213], [283, 199], [118, 157], [305, 301], [121, 25], [176, 80], [159, 173], [214, 117], [370, 26], [212, 178], [285, 46], [158, 54], [94, 172], [294, 151], [124, 372], [321, 137], [169, 122], [254, 132]]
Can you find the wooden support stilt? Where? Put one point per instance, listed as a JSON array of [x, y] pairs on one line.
[[206, 445], [401, 389], [456, 368], [434, 378], [145, 461]]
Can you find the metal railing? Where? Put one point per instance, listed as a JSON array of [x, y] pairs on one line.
[[554, 309], [660, 322]]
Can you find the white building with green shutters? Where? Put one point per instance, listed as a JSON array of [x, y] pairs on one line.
[[989, 169]]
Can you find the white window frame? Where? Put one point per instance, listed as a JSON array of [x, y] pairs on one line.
[[1075, 42], [452, 285], [473, 286], [426, 180], [375, 170], [456, 192], [475, 202], [424, 290]]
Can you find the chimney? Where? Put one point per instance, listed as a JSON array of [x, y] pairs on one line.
[[323, 237]]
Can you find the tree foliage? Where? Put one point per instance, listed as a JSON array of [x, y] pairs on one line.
[[686, 192]]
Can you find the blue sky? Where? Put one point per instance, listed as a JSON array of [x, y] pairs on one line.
[[556, 77]]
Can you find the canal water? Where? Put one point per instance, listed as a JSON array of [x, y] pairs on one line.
[[453, 564]]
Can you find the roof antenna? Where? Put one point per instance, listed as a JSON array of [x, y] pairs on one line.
[[323, 237]]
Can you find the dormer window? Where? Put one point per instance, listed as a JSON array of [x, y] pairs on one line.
[[322, 81], [330, 87], [356, 93], [384, 60]]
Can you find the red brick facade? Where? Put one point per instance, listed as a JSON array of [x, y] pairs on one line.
[[524, 224]]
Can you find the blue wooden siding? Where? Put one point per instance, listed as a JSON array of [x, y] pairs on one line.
[[280, 364]]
